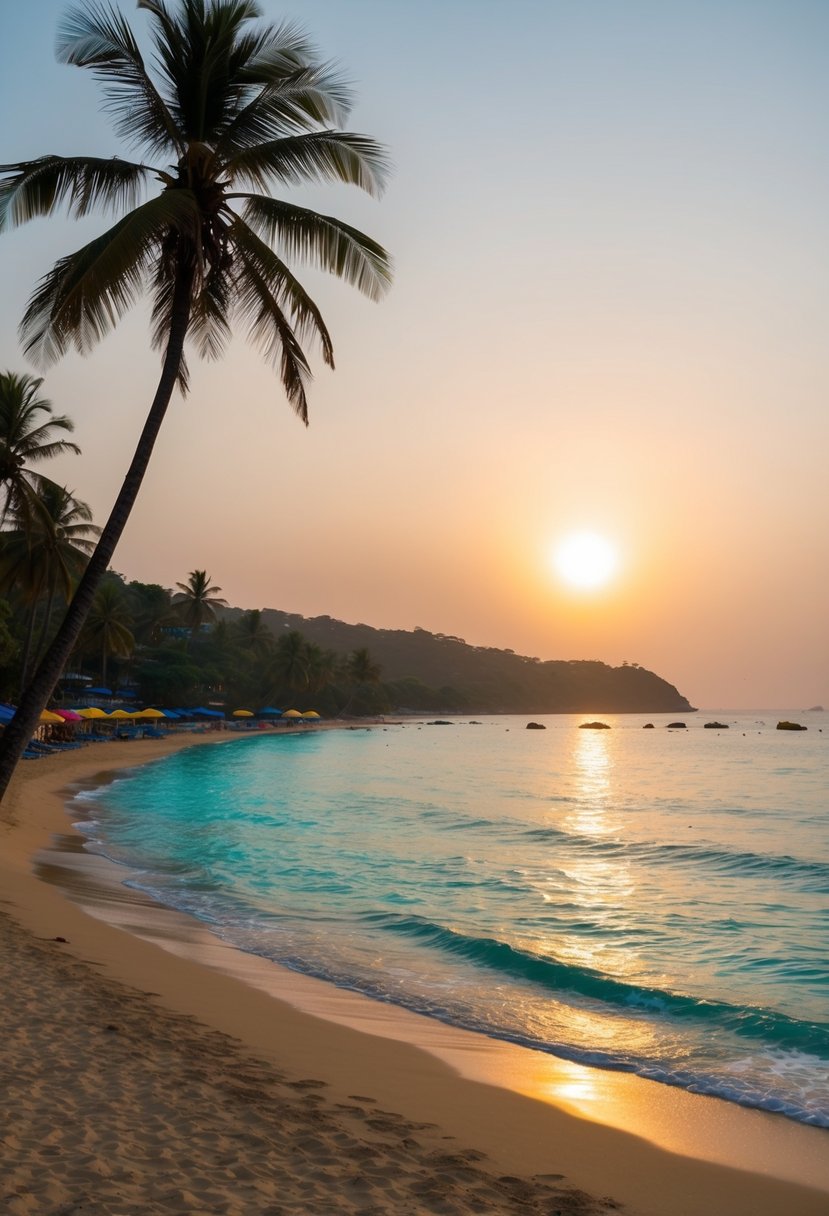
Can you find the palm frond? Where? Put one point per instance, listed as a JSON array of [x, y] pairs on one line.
[[270, 330], [317, 156], [86, 293], [287, 291], [209, 316], [38, 187], [321, 241], [195, 54], [96, 36], [37, 449], [284, 106]]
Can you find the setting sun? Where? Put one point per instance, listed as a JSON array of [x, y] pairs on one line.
[[586, 560]]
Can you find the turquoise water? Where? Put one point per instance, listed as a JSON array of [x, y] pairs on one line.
[[649, 900]]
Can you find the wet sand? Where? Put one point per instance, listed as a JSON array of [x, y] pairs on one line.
[[150, 1068]]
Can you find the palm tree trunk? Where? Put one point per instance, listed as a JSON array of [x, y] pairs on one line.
[[47, 617], [34, 698], [27, 648]]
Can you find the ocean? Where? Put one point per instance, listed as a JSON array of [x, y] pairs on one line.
[[655, 901]]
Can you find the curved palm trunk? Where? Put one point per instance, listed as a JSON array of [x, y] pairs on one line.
[[47, 620], [35, 696], [27, 649]]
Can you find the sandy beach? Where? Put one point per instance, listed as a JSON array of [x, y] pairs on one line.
[[148, 1068]]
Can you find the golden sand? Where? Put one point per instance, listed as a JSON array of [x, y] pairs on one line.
[[148, 1068]]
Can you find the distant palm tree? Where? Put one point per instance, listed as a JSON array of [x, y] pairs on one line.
[[361, 670], [196, 601], [26, 438], [323, 666], [234, 108], [254, 635], [290, 661], [151, 606], [107, 628], [44, 554]]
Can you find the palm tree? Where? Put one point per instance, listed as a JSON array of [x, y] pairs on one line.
[[107, 626], [196, 601], [254, 635], [323, 666], [45, 554], [290, 661], [361, 671], [234, 109], [26, 437], [151, 606]]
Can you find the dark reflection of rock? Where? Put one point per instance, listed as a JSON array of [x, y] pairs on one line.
[[676, 726], [536, 726], [440, 722], [791, 726], [594, 726], [716, 726]]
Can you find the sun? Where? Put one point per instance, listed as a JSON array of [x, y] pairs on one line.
[[586, 560]]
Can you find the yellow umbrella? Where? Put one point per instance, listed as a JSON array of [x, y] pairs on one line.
[[120, 713], [310, 713], [47, 716], [149, 713], [243, 713], [292, 713], [92, 711]]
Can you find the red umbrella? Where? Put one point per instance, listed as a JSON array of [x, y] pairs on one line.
[[69, 715]]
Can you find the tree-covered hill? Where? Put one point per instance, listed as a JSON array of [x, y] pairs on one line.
[[432, 672]]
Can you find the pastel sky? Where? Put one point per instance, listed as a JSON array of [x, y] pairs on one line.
[[609, 224]]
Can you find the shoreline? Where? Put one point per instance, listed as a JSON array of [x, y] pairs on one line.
[[655, 1149]]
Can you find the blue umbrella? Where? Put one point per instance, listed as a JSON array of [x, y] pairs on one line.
[[98, 692], [270, 712]]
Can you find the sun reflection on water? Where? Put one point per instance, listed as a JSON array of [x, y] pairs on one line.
[[603, 885]]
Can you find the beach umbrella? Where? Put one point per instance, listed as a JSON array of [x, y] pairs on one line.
[[69, 715], [150, 713], [120, 713], [270, 712], [243, 713], [292, 713], [99, 692], [47, 716], [92, 711], [310, 713]]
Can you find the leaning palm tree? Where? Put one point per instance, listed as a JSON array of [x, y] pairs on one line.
[[232, 110], [27, 436], [44, 554], [196, 601]]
